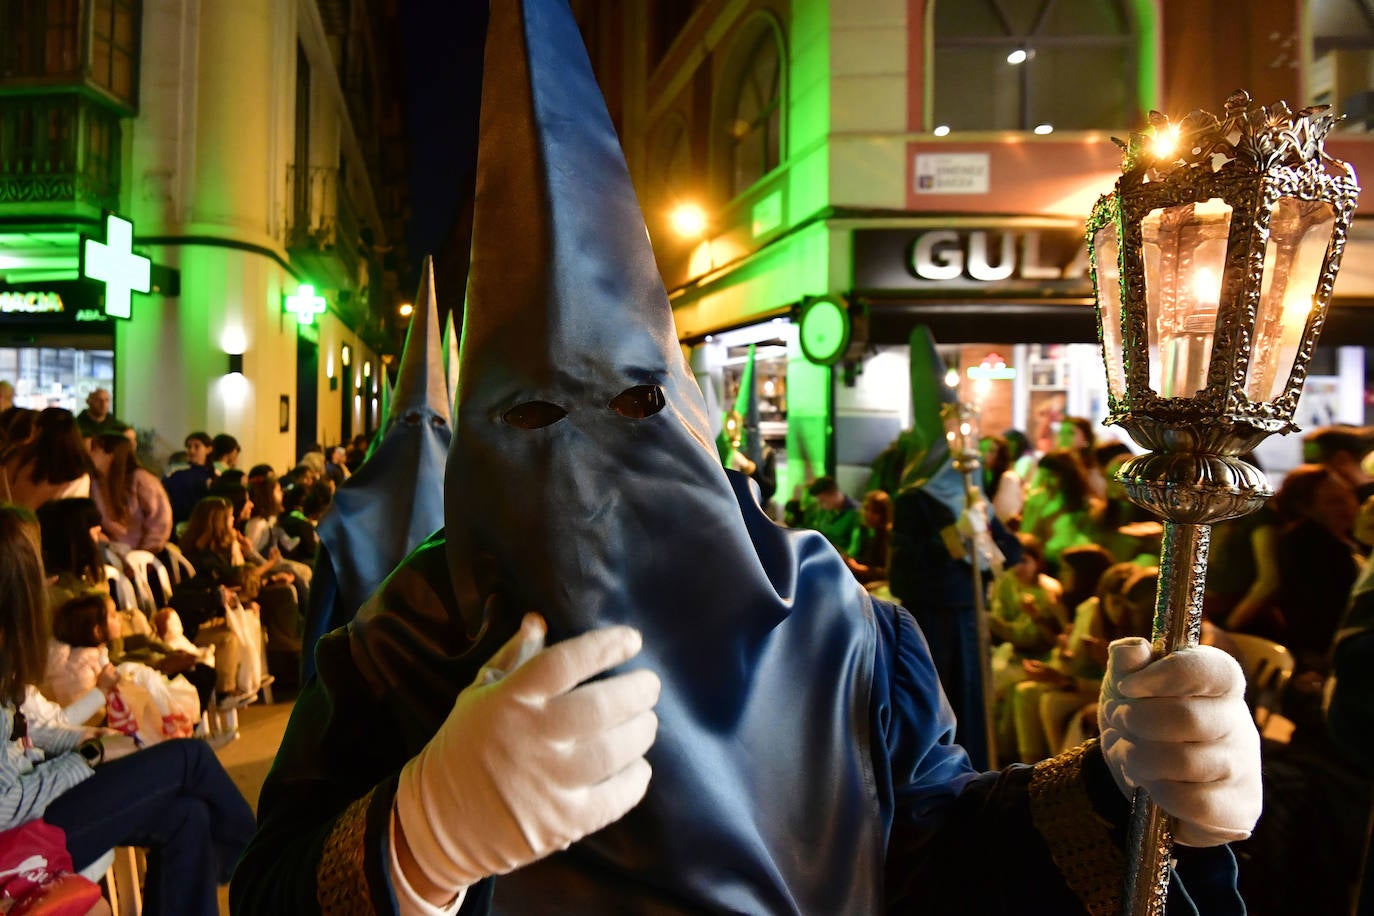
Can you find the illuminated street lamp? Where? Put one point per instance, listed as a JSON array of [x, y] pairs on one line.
[[1213, 263], [405, 310]]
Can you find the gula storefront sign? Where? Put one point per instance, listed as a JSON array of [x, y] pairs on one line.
[[992, 260]]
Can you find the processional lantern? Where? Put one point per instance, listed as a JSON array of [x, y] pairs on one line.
[[1213, 263]]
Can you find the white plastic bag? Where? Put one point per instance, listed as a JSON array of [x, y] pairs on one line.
[[247, 629], [175, 702]]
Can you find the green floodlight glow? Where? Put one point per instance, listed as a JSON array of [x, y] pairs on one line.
[[114, 263], [306, 304]]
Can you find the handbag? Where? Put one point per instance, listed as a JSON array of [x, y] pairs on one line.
[[36, 874]]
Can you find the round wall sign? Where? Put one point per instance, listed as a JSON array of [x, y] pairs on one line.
[[824, 330]]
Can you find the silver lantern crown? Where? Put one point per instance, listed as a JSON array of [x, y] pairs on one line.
[[1212, 263]]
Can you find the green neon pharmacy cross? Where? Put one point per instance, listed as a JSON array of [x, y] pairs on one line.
[[114, 263], [305, 305]]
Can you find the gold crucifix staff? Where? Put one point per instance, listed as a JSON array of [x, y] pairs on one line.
[[1212, 263]]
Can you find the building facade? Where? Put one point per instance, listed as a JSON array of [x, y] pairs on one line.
[[906, 162], [249, 145]]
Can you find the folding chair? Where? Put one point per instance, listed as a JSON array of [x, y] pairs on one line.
[[178, 567], [149, 576], [121, 589], [1268, 667]]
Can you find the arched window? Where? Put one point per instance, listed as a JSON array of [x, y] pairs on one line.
[[1022, 64], [753, 124]]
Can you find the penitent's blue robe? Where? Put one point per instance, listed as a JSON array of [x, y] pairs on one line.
[[828, 783]]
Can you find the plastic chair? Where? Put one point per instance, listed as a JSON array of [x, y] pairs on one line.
[[178, 567], [1268, 667], [150, 575], [121, 589]]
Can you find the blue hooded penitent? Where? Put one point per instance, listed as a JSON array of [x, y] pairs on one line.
[[802, 763], [394, 501], [583, 483]]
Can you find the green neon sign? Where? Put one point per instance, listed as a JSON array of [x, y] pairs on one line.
[[306, 304], [113, 263]]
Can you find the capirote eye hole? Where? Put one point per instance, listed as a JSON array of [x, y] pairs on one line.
[[639, 402], [412, 417], [533, 415]]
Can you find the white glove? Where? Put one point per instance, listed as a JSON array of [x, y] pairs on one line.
[[528, 762], [1179, 728]]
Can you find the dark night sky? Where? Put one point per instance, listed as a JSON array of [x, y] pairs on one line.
[[443, 66]]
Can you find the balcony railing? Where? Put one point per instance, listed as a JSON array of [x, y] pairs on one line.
[[59, 150], [322, 228]]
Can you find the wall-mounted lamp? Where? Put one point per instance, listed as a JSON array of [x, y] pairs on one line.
[[405, 310], [688, 220], [346, 355], [367, 368], [234, 386]]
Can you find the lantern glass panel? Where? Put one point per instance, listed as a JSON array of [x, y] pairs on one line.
[[1299, 232], [1184, 250], [1107, 264]]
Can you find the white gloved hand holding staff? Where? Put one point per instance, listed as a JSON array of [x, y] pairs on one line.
[[1179, 728], [529, 760]]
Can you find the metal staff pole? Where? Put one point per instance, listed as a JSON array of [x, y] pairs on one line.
[[961, 432]]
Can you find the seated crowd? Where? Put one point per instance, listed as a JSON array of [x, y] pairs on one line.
[[140, 609], [1082, 568]]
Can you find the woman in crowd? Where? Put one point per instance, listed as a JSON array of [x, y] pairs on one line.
[[1080, 569], [870, 563], [174, 798], [1079, 436], [1054, 690], [16, 428], [1318, 560], [1025, 609], [1128, 531], [216, 549], [224, 453], [1059, 506], [54, 464], [71, 549], [69, 529], [135, 511]]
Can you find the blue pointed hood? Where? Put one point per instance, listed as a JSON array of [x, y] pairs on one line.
[[394, 501], [583, 484]]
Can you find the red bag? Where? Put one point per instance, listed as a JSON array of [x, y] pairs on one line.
[[36, 876]]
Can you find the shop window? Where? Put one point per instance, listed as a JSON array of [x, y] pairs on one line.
[[1003, 65], [753, 121]]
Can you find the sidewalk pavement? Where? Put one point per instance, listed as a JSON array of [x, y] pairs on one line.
[[248, 759]]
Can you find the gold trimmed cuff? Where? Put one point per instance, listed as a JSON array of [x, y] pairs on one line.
[[1080, 841], [341, 887]]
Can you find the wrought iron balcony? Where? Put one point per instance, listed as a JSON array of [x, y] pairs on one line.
[[323, 232], [58, 152]]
